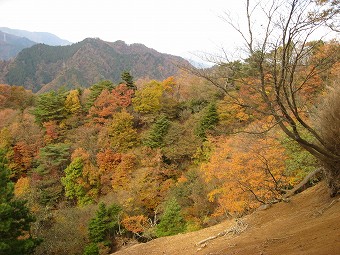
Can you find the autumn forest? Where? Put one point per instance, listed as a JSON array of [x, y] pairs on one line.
[[94, 169]]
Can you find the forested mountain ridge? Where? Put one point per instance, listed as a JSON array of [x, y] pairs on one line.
[[42, 68], [11, 45]]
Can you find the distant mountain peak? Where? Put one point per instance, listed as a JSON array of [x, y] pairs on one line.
[[38, 37], [11, 45]]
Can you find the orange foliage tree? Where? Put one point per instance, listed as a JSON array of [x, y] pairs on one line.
[[136, 224], [15, 97], [52, 131], [20, 140], [109, 102], [232, 116], [22, 158], [114, 169], [247, 172]]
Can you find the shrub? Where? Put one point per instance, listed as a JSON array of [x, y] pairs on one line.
[[91, 249], [329, 124]]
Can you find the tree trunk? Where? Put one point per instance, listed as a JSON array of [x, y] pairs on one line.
[[302, 183], [332, 174]]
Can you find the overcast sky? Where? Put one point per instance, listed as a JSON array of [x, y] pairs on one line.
[[178, 27]]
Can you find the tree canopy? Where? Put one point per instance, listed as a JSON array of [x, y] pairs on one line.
[[15, 237]]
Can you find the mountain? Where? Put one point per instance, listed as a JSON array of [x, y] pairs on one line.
[[11, 45], [43, 67], [38, 37]]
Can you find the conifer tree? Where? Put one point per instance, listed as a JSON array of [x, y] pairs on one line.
[[91, 249], [53, 159], [103, 227], [157, 133], [50, 106], [172, 221], [128, 80], [208, 121], [98, 225], [15, 237]]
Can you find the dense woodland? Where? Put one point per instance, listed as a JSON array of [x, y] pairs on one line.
[[126, 162]]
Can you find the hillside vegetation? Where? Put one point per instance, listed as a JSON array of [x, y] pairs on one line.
[[119, 163], [306, 225], [104, 163]]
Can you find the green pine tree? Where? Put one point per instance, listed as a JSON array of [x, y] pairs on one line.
[[208, 121], [15, 237], [50, 106], [53, 159], [128, 80], [158, 130], [172, 221], [103, 227], [98, 225]]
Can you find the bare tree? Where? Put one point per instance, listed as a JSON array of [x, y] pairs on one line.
[[280, 56]]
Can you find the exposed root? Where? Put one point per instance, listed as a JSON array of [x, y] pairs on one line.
[[302, 183], [320, 212], [237, 229]]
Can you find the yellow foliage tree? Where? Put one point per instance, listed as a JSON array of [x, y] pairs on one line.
[[155, 96], [72, 102], [123, 135], [21, 186], [148, 99], [232, 115]]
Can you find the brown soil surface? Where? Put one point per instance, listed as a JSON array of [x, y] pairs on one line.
[[308, 224]]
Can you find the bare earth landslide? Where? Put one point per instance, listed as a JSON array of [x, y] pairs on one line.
[[308, 224]]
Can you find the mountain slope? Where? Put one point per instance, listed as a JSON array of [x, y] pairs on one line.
[[38, 37], [11, 45], [307, 225], [42, 67]]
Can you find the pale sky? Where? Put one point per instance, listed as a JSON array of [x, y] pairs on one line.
[[178, 27]]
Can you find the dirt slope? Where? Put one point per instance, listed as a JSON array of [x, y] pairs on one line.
[[308, 224]]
